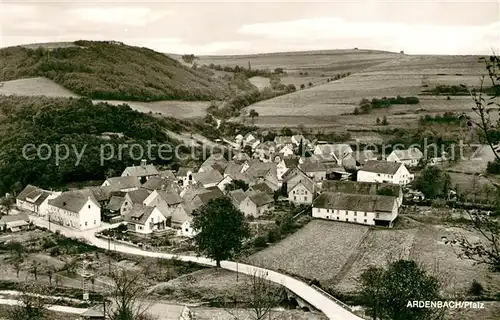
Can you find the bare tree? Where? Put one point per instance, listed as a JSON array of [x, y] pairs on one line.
[[486, 251], [264, 296], [32, 306], [128, 296]]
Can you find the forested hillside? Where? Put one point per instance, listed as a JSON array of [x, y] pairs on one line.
[[75, 123], [114, 71]]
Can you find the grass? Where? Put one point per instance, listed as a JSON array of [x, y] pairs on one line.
[[318, 250], [102, 70]]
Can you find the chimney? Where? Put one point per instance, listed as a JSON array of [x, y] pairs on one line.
[[143, 162]]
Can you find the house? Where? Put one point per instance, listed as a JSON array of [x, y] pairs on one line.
[[241, 156], [264, 150], [159, 183], [302, 192], [296, 139], [334, 172], [281, 141], [368, 188], [35, 200], [142, 172], [261, 187], [357, 208], [216, 161], [15, 222], [314, 170], [263, 172], [165, 201], [166, 174], [385, 172], [182, 219], [284, 165], [208, 178], [256, 204], [125, 183], [286, 151], [233, 168], [104, 194], [409, 157], [143, 219], [293, 176], [204, 197], [336, 151], [237, 196], [185, 175], [75, 209], [114, 205], [133, 197], [248, 139], [224, 182]]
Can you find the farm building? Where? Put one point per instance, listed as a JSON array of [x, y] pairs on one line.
[[75, 209], [368, 188], [357, 208], [385, 172], [35, 200], [302, 192], [15, 222], [410, 157]]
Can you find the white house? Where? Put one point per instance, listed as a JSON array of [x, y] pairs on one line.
[[301, 192], [284, 165], [165, 201], [208, 178], [385, 172], [75, 209], [409, 157], [145, 220], [356, 208], [35, 200], [133, 197], [296, 139], [336, 152], [314, 170], [182, 219], [294, 175], [143, 171], [281, 141], [286, 151], [185, 175], [125, 183], [256, 204], [224, 182], [367, 188]]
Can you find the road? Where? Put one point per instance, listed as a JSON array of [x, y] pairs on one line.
[[320, 301], [65, 309]]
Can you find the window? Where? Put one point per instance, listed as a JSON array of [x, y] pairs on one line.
[[89, 206], [364, 220], [305, 198], [293, 192], [327, 210], [338, 218], [365, 214], [294, 198], [346, 219], [187, 230], [355, 214], [328, 217], [85, 223], [95, 222], [355, 219], [140, 227], [377, 215]]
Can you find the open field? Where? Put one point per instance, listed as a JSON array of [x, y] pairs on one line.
[[40, 86], [318, 250]]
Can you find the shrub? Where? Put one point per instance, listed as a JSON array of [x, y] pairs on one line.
[[476, 288], [273, 235], [260, 242]]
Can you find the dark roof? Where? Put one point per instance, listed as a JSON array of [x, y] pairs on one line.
[[313, 167], [170, 197], [354, 202], [103, 193], [155, 183], [260, 169], [307, 183], [167, 174], [142, 170], [139, 213], [290, 173], [237, 196], [14, 217], [291, 162], [138, 196], [205, 197], [33, 192], [115, 203], [208, 177], [233, 168], [260, 198], [183, 171], [384, 167], [73, 201], [357, 187], [263, 187], [215, 158]]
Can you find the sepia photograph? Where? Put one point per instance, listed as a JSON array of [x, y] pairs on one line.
[[249, 160]]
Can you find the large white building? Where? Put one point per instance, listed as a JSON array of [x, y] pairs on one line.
[[356, 208], [35, 200], [75, 209], [385, 172]]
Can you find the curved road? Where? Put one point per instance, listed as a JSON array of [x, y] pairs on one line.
[[330, 308]]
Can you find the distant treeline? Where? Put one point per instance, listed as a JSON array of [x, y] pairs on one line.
[[248, 72], [365, 105], [446, 90], [446, 118]]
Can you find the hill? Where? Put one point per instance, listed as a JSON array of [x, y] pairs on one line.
[[81, 126], [114, 71]]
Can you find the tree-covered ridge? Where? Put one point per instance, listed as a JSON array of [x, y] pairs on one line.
[[113, 71], [76, 123]]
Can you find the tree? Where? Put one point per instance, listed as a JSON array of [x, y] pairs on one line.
[[387, 292], [253, 114], [433, 182], [291, 88], [237, 184], [301, 150], [302, 86], [378, 121], [275, 81], [32, 306], [16, 258], [384, 121], [219, 217], [310, 84], [128, 295]]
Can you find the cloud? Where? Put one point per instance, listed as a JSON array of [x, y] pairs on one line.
[[387, 35], [131, 16]]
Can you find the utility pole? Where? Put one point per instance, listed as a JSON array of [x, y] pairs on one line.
[[109, 256]]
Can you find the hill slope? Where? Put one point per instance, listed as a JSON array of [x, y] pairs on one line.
[[114, 71]]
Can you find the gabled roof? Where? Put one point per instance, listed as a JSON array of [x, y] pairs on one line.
[[291, 162], [339, 151], [298, 137], [182, 213], [208, 177], [355, 202], [215, 158], [183, 171], [124, 182], [262, 187], [409, 154], [139, 213], [283, 140], [313, 167], [307, 183], [115, 203], [266, 145], [357, 187], [171, 198], [260, 198], [103, 193], [73, 201], [138, 196], [205, 197], [166, 174], [142, 170], [33, 192], [260, 169], [14, 217], [233, 168], [241, 156], [290, 173], [155, 183], [237, 196], [384, 167]]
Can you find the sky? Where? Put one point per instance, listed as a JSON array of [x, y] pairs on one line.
[[240, 27]]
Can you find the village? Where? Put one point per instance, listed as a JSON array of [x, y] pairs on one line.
[[152, 202]]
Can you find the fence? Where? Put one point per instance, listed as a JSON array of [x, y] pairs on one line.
[[340, 303]]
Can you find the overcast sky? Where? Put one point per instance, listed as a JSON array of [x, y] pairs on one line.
[[236, 27]]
